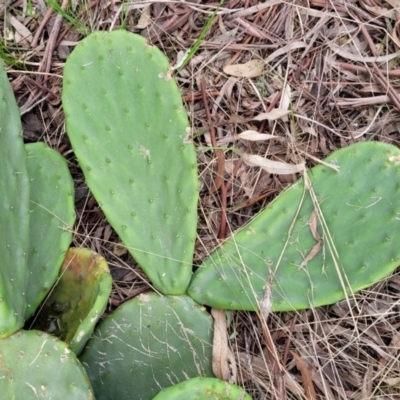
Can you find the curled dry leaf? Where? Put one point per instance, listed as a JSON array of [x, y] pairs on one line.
[[255, 136], [272, 167], [223, 362], [342, 52], [285, 49], [251, 69]]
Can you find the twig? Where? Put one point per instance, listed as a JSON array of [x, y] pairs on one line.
[[219, 154]]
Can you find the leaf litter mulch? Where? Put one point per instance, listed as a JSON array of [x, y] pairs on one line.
[[326, 70]]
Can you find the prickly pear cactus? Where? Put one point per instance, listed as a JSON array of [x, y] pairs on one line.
[[36, 365], [52, 217], [14, 213], [128, 129], [203, 389], [149, 343], [78, 299], [313, 245]]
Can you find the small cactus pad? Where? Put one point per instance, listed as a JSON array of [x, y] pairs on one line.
[[147, 344], [128, 128], [302, 252], [52, 217], [203, 389], [14, 213], [78, 299], [35, 365]]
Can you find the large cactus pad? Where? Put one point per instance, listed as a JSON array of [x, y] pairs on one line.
[[147, 344], [203, 389], [52, 217], [313, 245], [128, 129], [14, 212], [35, 365]]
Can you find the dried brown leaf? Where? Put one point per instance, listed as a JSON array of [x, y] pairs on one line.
[[22, 32], [285, 50], [223, 362], [251, 69], [119, 249], [272, 115], [272, 167], [255, 136], [306, 376], [357, 57], [144, 20]]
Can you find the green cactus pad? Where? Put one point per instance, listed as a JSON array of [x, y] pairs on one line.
[[14, 213], [359, 225], [147, 344], [52, 217], [128, 128], [78, 299], [35, 365], [203, 389]]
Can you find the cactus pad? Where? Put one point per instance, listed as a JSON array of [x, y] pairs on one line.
[[147, 344], [128, 127], [52, 217], [78, 299], [35, 365], [14, 213], [304, 252], [203, 389]]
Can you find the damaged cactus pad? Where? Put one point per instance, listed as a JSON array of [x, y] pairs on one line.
[[78, 299]]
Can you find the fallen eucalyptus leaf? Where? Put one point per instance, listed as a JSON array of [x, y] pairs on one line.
[[255, 136], [272, 115], [272, 167], [251, 69]]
